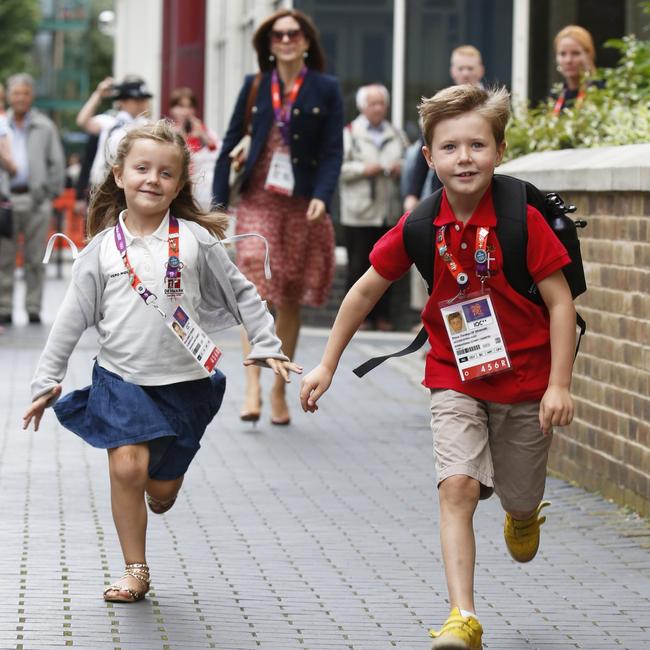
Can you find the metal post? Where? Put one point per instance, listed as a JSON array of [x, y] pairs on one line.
[[399, 62], [520, 52]]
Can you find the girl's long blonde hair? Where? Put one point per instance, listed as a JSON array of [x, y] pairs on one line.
[[107, 200]]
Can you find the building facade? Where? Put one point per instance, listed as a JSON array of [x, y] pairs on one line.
[[405, 44]]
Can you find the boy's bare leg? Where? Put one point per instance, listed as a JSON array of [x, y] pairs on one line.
[[287, 328], [128, 469], [459, 496], [252, 396]]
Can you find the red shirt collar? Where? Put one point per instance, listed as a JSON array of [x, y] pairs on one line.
[[483, 215]]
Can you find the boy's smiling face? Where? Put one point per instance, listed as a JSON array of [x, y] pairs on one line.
[[464, 154]]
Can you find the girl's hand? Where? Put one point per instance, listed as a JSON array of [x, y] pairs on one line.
[[35, 411], [555, 409], [313, 386], [279, 367], [316, 210]]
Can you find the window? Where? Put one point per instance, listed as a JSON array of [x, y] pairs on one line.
[[435, 27]]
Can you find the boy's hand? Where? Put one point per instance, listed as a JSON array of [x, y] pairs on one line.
[[555, 409], [35, 411], [313, 386], [279, 367]]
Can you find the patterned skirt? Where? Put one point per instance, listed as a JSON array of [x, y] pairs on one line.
[[301, 251]]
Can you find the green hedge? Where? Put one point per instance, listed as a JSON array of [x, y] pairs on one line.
[[618, 113]]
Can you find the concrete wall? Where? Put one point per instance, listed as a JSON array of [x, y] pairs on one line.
[[138, 44], [607, 448]]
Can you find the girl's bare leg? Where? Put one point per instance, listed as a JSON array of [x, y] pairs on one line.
[[128, 469], [287, 325]]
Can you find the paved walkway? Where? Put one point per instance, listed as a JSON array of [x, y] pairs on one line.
[[320, 535]]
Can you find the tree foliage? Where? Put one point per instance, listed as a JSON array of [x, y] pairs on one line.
[[18, 22]]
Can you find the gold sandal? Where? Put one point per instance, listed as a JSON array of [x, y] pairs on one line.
[[159, 507], [138, 571]]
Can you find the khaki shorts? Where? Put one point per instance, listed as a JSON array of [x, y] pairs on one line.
[[500, 445]]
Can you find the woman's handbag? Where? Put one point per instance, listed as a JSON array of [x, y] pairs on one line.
[[6, 217], [239, 154]]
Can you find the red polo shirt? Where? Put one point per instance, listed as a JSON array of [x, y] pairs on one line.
[[524, 325]]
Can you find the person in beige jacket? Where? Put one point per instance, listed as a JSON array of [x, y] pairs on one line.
[[369, 186]]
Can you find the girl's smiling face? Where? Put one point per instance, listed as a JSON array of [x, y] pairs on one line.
[[151, 177]]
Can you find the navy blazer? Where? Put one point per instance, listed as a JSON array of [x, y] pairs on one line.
[[316, 136]]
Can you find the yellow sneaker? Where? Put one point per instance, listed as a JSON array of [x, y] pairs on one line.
[[522, 535], [458, 633]]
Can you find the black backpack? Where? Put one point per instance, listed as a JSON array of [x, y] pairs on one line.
[[511, 197]]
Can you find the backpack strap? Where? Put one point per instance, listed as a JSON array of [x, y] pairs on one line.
[[418, 236], [414, 345], [510, 199]]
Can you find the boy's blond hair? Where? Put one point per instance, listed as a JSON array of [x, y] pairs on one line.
[[466, 50], [492, 104]]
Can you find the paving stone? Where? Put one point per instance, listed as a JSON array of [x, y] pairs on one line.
[[320, 535]]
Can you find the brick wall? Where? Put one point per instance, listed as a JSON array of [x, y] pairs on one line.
[[607, 448]]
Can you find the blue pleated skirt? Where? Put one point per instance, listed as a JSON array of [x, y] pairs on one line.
[[172, 418]]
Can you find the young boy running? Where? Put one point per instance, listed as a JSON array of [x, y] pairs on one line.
[[492, 420]]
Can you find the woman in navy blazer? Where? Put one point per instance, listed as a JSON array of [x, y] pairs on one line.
[[304, 124]]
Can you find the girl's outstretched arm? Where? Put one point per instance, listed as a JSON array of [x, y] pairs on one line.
[[356, 305]]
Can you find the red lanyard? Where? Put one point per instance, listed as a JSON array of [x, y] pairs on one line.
[[561, 100], [173, 265], [481, 257], [283, 111]]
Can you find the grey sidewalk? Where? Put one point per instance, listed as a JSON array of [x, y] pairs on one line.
[[319, 535]]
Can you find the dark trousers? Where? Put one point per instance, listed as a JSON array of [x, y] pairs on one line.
[[359, 241]]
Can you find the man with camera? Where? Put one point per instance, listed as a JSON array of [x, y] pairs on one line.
[[131, 99]]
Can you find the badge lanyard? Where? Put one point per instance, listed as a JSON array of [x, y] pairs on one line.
[[187, 331], [561, 100], [283, 111], [482, 258], [470, 320], [173, 265]]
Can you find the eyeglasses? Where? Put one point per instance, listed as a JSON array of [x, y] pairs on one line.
[[292, 35]]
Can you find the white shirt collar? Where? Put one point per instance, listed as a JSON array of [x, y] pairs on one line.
[[369, 127], [161, 233]]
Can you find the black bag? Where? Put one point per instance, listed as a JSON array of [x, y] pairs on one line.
[[6, 217], [511, 197]]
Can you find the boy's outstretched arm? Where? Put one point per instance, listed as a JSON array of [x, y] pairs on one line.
[[556, 407], [356, 305]]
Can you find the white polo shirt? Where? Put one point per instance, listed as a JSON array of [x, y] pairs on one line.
[[135, 343]]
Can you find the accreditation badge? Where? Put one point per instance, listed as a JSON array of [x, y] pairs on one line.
[[280, 177], [193, 338], [475, 336]]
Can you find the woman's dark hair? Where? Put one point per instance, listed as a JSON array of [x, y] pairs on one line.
[[261, 40], [180, 94]]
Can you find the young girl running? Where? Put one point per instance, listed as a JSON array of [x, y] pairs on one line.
[[152, 278]]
